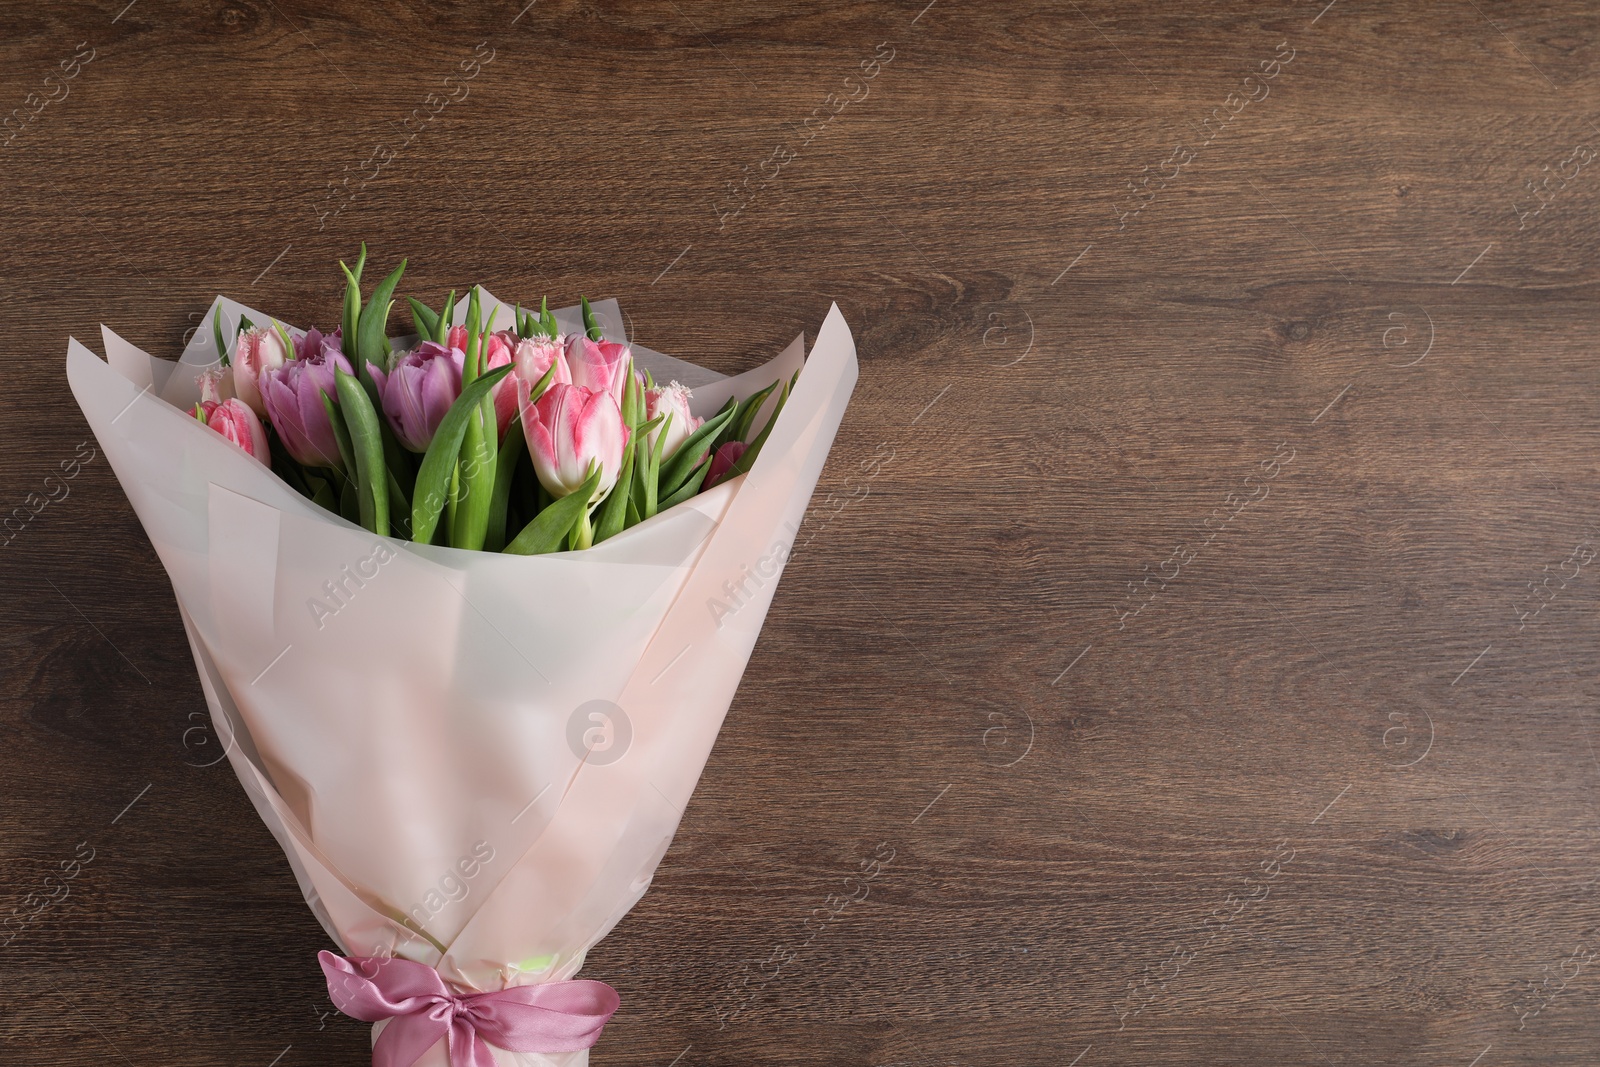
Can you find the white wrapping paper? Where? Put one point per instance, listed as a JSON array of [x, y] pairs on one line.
[[439, 748]]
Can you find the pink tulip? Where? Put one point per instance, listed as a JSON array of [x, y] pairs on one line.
[[723, 462], [598, 365], [534, 358], [568, 429], [209, 382], [234, 420], [505, 392], [258, 352], [670, 400], [500, 347]]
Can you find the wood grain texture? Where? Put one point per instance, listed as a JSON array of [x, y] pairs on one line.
[[1326, 406]]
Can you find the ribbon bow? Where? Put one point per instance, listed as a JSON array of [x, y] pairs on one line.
[[553, 1017]]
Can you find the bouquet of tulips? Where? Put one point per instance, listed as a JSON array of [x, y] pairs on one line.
[[428, 442], [468, 609]]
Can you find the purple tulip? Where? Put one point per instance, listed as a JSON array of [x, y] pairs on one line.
[[418, 391], [292, 395], [315, 343]]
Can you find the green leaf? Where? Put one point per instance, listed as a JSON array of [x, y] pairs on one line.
[[748, 409], [652, 475], [465, 530], [433, 479], [743, 464], [632, 402], [395, 457], [485, 331], [512, 448], [551, 526], [645, 430], [581, 535], [350, 321], [689, 488], [344, 480], [548, 320], [366, 442], [340, 435], [244, 324], [682, 460], [284, 336], [347, 340], [635, 468], [478, 453], [373, 346], [591, 328], [386, 357], [641, 491], [615, 509], [216, 334], [447, 527], [641, 469], [469, 368], [541, 385], [424, 318], [399, 507], [446, 314]]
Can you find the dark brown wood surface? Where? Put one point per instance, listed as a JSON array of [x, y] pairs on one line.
[[1309, 371]]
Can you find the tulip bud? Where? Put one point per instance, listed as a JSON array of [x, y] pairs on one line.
[[534, 358], [567, 430], [601, 366], [209, 381], [723, 462], [258, 351], [292, 395], [418, 390], [234, 420], [670, 400]]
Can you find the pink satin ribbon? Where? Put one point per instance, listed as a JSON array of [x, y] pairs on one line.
[[553, 1017]]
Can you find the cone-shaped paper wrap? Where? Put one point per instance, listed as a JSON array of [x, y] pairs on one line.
[[472, 760]]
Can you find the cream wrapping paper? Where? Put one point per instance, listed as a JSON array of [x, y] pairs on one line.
[[471, 760]]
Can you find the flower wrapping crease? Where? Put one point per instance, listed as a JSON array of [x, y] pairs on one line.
[[473, 760]]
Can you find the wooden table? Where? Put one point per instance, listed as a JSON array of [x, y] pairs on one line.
[[1196, 615]]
